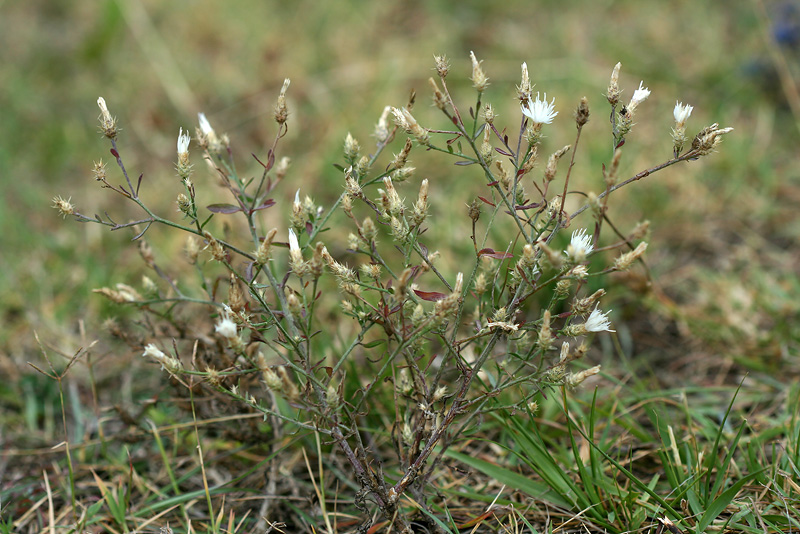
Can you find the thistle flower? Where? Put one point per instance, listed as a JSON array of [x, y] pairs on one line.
[[539, 111], [580, 246], [598, 321]]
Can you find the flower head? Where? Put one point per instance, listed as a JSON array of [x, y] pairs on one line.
[[205, 126], [540, 111], [639, 96], [598, 321], [108, 124], [226, 327], [183, 143], [580, 246], [681, 113]]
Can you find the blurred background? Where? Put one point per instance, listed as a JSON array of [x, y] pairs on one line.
[[724, 229]]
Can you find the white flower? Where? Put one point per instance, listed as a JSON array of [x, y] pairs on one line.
[[205, 126], [226, 327], [639, 96], [540, 111], [598, 321], [294, 245], [580, 246], [152, 351], [681, 113], [183, 142]]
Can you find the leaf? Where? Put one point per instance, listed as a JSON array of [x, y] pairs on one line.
[[264, 205], [223, 208], [494, 254], [431, 296], [464, 163], [492, 204], [503, 152]]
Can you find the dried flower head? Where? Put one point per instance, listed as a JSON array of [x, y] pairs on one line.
[[382, 131], [479, 79], [281, 112], [524, 89], [624, 261], [442, 65], [573, 380], [64, 207], [613, 86], [708, 138], [167, 362], [405, 120]]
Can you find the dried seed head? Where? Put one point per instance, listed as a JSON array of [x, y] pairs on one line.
[[554, 258], [488, 113], [582, 306], [363, 165], [369, 230], [545, 339], [108, 124], [281, 110], [382, 131], [64, 207], [392, 203], [528, 258], [439, 100], [405, 120], [582, 113], [146, 252], [610, 173], [99, 171], [400, 159], [708, 138], [236, 298], [479, 79], [192, 249], [264, 248], [442, 65], [474, 210], [350, 184], [217, 250], [281, 168], [552, 163], [613, 86], [573, 380], [421, 206], [168, 363], [639, 231], [524, 89], [486, 150], [624, 261]]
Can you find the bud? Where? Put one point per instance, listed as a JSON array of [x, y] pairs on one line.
[[108, 124], [562, 289], [524, 89], [192, 249], [555, 259], [439, 100], [610, 173], [474, 210], [405, 120], [369, 231], [217, 250], [442, 65], [624, 261], [573, 380], [613, 86], [479, 79], [582, 306], [488, 113], [264, 248], [236, 298], [708, 138], [281, 111], [184, 205], [421, 206], [394, 204], [449, 305], [292, 302], [545, 340], [552, 163], [401, 158], [582, 113], [351, 149], [382, 127]]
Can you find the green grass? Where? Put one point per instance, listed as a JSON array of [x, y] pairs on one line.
[[723, 309]]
